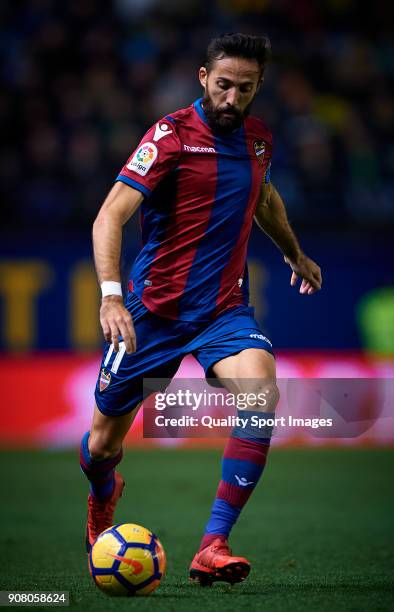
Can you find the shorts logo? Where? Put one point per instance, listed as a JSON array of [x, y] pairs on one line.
[[105, 379], [143, 158], [260, 337], [259, 149]]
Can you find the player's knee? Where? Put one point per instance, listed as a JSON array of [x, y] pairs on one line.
[[103, 446], [267, 396]]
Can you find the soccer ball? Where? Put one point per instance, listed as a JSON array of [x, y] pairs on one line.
[[127, 560]]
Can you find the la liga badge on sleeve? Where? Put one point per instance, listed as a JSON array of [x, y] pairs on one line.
[[143, 158]]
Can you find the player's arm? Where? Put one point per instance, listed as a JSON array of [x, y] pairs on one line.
[[272, 219], [121, 202]]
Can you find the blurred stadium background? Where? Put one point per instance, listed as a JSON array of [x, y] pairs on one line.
[[81, 82]]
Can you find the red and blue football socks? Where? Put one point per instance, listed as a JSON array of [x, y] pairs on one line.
[[243, 463], [99, 472]]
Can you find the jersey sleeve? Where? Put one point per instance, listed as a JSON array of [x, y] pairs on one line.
[[156, 155]]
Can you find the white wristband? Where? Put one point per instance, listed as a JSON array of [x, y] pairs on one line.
[[111, 288]]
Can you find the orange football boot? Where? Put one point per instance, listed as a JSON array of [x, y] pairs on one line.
[[215, 563], [101, 512]]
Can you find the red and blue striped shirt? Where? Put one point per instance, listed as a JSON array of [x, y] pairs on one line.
[[201, 191]]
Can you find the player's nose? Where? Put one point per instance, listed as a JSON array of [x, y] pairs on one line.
[[232, 97]]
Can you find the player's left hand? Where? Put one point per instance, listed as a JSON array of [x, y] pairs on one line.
[[308, 271]]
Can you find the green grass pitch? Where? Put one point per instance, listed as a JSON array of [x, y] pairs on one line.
[[318, 530]]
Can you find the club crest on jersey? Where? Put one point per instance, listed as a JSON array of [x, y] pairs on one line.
[[105, 379], [259, 149], [143, 158]]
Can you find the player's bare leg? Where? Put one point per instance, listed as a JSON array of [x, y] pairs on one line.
[[244, 458], [101, 451], [244, 371]]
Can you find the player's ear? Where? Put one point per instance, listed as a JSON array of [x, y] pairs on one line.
[[202, 75]]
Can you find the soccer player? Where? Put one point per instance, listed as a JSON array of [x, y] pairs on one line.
[[201, 174]]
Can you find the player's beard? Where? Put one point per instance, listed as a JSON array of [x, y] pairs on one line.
[[218, 121]]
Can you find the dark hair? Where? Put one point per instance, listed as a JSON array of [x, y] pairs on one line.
[[239, 45]]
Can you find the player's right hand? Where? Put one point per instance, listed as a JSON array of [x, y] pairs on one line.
[[116, 321]]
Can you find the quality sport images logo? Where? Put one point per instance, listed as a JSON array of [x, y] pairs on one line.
[[143, 158]]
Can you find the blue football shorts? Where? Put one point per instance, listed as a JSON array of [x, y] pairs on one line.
[[162, 344]]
